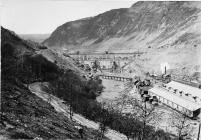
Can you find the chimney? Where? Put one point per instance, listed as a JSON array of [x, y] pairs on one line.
[[165, 69]]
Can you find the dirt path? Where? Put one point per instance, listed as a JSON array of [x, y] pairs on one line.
[[60, 107]]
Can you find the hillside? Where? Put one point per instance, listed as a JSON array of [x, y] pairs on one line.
[[61, 61], [23, 114], [168, 31], [144, 23]]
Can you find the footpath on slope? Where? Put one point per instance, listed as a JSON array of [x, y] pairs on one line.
[[59, 106]]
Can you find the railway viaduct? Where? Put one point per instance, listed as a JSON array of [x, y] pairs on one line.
[[106, 59], [105, 56]]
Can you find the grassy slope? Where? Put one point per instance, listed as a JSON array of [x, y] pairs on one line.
[[23, 114]]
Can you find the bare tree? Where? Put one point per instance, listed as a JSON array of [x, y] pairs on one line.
[[182, 125], [115, 66], [147, 114], [96, 65], [142, 111], [104, 117], [130, 126], [122, 102]]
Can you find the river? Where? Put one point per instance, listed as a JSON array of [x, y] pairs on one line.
[[111, 91]]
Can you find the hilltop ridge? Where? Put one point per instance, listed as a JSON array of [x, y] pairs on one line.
[[167, 31]]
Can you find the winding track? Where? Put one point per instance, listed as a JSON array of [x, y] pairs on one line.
[[59, 106]]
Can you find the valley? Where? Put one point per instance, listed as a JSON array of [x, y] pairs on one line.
[[129, 73]]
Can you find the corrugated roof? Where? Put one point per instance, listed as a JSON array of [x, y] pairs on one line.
[[174, 98], [185, 88]]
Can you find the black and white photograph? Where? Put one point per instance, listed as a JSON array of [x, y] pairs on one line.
[[100, 70]]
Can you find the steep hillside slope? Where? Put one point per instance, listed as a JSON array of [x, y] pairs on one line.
[[167, 31], [143, 24], [60, 60], [26, 116], [21, 61], [23, 114]]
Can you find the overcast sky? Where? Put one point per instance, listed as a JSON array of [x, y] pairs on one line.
[[43, 16]]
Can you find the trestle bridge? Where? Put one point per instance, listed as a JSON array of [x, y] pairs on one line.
[[115, 77]]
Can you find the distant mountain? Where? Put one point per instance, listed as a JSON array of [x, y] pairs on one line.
[[169, 31], [35, 37], [144, 23]]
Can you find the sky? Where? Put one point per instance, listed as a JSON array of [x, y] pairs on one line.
[[44, 16]]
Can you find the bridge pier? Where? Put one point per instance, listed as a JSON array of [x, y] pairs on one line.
[[123, 79]]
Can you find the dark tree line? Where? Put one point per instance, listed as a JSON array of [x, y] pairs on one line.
[[26, 66]]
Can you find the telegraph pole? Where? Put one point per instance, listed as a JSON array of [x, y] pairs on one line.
[[199, 131], [71, 112]]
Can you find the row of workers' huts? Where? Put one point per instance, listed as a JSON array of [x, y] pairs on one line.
[[181, 97]]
